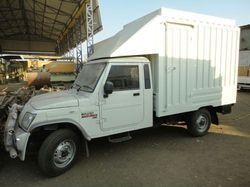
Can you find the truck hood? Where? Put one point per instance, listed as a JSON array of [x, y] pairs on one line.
[[54, 100]]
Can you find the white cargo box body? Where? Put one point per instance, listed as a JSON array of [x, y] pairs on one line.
[[194, 58]]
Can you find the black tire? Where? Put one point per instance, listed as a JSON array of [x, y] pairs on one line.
[[59, 145], [199, 123]]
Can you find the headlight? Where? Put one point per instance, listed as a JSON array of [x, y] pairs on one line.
[[27, 120]]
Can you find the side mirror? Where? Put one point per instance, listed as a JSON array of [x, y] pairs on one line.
[[108, 88]]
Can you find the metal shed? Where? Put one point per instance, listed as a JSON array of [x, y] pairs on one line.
[[245, 37], [49, 27]]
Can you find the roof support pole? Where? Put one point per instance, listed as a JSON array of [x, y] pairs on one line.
[[90, 28], [79, 62]]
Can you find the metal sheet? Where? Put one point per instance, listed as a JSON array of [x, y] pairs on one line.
[[58, 67], [42, 26]]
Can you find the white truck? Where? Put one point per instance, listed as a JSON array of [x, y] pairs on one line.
[[169, 66], [244, 70]]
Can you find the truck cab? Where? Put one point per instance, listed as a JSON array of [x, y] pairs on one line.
[[114, 96], [109, 96]]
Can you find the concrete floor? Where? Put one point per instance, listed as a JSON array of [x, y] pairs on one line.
[[166, 156]]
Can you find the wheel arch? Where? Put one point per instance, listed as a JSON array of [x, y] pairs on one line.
[[213, 114], [39, 133], [55, 125]]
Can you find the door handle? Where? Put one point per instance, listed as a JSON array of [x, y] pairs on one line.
[[136, 94]]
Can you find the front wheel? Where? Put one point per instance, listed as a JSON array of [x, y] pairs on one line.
[[199, 123], [58, 152]]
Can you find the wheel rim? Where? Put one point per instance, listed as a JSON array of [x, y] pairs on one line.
[[64, 153], [202, 123]]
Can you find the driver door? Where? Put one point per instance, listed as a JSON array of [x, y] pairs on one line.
[[124, 107]]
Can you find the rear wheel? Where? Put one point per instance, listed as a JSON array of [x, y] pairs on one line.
[[58, 152], [199, 123]]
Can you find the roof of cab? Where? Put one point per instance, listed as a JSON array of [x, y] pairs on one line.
[[122, 60]]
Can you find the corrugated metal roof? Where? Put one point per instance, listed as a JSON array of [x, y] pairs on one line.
[[40, 25], [245, 27]]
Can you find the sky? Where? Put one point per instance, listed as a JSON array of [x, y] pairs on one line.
[[116, 13]]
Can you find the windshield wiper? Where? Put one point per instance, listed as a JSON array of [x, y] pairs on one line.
[[86, 86], [79, 87]]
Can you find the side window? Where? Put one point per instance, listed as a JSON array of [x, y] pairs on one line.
[[124, 77], [147, 77]]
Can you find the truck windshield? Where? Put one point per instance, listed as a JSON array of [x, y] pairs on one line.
[[88, 77]]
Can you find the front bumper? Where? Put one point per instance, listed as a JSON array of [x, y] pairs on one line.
[[19, 143], [15, 139]]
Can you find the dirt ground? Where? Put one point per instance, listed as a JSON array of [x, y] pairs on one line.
[[166, 156]]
